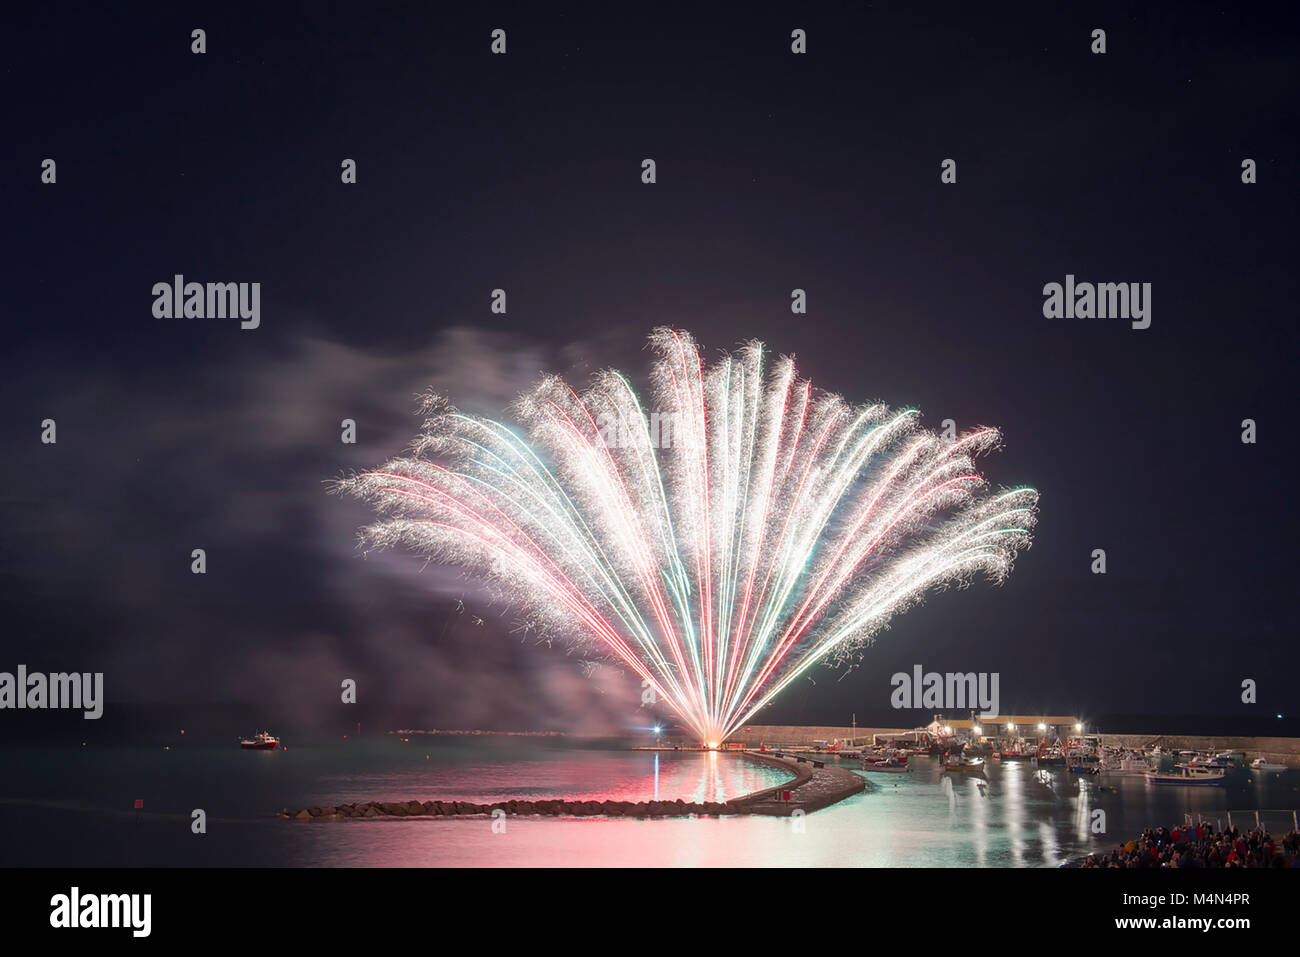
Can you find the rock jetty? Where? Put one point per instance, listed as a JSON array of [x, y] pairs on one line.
[[553, 808], [812, 786]]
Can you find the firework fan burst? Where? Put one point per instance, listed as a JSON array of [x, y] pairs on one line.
[[719, 540]]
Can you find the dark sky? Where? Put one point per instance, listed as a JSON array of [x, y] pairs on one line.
[[522, 171]]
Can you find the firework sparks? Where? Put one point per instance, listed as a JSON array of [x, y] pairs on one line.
[[719, 546]]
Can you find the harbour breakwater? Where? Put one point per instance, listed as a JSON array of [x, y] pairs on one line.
[[1282, 750], [811, 787], [788, 736]]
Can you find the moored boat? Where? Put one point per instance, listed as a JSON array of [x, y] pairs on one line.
[[889, 764], [1127, 764], [1049, 757], [1079, 764], [1187, 774], [885, 756], [1261, 764], [262, 741], [959, 765]]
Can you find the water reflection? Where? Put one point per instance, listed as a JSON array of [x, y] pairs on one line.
[[1012, 778], [1018, 816]]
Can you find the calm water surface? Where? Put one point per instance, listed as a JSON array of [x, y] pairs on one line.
[[75, 808]]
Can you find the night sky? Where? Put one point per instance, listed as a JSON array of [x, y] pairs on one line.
[[774, 171]]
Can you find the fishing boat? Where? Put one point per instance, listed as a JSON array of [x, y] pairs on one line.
[[886, 764], [1261, 764], [1128, 764], [1049, 757], [262, 741], [1015, 755], [1079, 764], [1188, 775], [1078, 753], [883, 755], [940, 746], [959, 765]]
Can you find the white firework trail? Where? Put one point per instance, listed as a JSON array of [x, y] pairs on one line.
[[777, 528]]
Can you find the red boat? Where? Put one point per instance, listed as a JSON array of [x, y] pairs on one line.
[[262, 741]]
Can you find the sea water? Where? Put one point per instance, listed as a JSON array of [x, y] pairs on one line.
[[76, 808]]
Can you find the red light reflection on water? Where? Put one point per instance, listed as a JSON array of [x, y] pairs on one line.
[[578, 776]]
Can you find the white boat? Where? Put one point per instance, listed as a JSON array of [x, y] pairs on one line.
[[1188, 775], [1260, 764], [887, 766], [1128, 764], [886, 762]]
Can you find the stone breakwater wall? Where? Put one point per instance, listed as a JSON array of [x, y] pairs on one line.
[[816, 786], [553, 808], [811, 788], [1281, 750], [788, 736]]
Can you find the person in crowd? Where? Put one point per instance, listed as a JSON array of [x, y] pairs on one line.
[[1201, 846]]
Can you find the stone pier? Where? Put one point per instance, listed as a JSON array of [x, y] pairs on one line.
[[811, 788]]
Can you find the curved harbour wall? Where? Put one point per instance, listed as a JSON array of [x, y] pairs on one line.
[[1281, 750]]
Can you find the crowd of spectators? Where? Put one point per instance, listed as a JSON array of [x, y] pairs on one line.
[[1201, 845]]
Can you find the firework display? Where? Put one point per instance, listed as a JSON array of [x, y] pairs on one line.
[[718, 538]]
